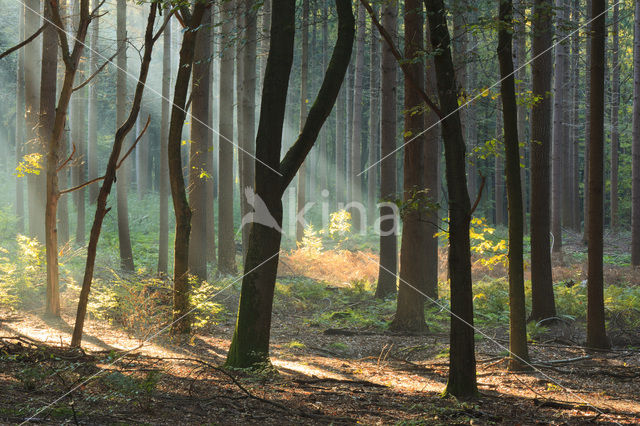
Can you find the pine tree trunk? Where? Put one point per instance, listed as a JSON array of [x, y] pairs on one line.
[[519, 354], [615, 107], [163, 232], [92, 148], [499, 172], [226, 242], [520, 59], [387, 273], [199, 172], [596, 333], [462, 366], [301, 197], [142, 156], [374, 124], [587, 119], [20, 124], [575, 67], [358, 222], [122, 183], [341, 141], [543, 304]]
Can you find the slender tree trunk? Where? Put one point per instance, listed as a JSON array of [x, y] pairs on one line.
[[615, 107], [517, 312], [211, 161], [122, 183], [32, 56], [198, 151], [45, 130], [587, 136], [520, 59], [358, 222], [387, 273], [559, 131], [499, 172], [374, 124], [79, 140], [142, 159], [635, 144], [575, 140], [301, 197], [19, 133], [596, 333], [226, 243], [181, 288], [543, 304], [110, 177], [163, 237], [250, 344], [92, 149], [462, 366]]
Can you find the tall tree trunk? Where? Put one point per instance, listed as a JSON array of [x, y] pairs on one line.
[[92, 148], [374, 124], [301, 197], [587, 119], [79, 140], [247, 111], [20, 124], [226, 243], [543, 304], [181, 288], [559, 130], [615, 107], [163, 237], [520, 60], [250, 344], [499, 172], [635, 144], [199, 150], [596, 333], [462, 365], [142, 158], [122, 183], [519, 354], [356, 130], [211, 160], [45, 129], [110, 177], [32, 56], [387, 273], [575, 140]]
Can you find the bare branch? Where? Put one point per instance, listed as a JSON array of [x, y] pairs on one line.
[[23, 43], [92, 76], [135, 143], [73, 152], [82, 185], [475, 205]]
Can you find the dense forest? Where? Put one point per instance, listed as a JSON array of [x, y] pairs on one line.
[[320, 212]]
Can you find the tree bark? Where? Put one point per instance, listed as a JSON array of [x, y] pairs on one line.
[[499, 172], [519, 354], [226, 242], [387, 272], [587, 117], [543, 304], [181, 288], [122, 183], [462, 366], [163, 192], [20, 124], [374, 123], [301, 196], [250, 344], [199, 172], [92, 148], [596, 333], [615, 107], [635, 144]]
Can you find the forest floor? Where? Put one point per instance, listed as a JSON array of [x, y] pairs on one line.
[[334, 361]]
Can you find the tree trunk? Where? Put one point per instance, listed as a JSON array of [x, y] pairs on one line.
[[615, 107], [520, 41], [387, 273], [226, 242], [462, 366], [587, 119], [92, 148], [341, 141], [519, 354], [543, 304], [499, 172], [122, 183], [576, 121], [20, 124], [78, 139], [374, 124], [198, 152], [301, 197], [596, 333], [413, 266], [635, 144], [110, 177], [250, 344], [32, 57], [211, 160], [142, 159], [559, 130], [163, 237], [358, 222], [181, 288]]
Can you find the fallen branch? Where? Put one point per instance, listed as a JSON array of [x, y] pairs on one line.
[[564, 361]]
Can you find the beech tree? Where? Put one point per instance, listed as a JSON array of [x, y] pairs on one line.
[[250, 343]]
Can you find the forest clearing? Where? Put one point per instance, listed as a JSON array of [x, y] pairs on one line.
[[396, 212]]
